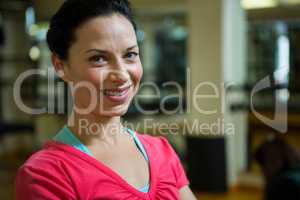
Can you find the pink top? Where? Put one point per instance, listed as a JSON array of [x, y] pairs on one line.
[[60, 171]]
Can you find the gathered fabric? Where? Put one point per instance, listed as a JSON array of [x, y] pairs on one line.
[[60, 171]]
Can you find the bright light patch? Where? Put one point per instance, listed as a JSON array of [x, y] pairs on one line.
[[283, 66], [34, 53], [254, 4]]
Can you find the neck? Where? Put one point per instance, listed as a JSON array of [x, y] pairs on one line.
[[93, 128]]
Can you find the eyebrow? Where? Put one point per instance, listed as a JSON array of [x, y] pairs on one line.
[[103, 51]]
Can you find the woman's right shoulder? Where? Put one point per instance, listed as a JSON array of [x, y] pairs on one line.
[[45, 158], [43, 175]]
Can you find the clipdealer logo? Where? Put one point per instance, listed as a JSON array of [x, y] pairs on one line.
[[279, 121]]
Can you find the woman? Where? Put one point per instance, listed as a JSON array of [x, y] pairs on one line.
[[94, 49]]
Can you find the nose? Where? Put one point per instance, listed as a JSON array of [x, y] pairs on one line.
[[118, 73], [118, 77]]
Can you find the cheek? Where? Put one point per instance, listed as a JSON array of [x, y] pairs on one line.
[[96, 76], [81, 71], [137, 74]]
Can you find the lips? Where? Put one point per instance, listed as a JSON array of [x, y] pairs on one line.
[[117, 95], [116, 91]]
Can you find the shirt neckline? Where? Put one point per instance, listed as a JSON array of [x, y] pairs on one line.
[[101, 166], [66, 136]]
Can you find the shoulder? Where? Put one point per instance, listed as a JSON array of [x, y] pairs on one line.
[[156, 143], [159, 148], [43, 175], [47, 162], [165, 159], [44, 157]]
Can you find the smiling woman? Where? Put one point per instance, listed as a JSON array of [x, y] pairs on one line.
[[94, 49]]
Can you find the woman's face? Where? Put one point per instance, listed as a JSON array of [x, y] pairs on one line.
[[103, 66]]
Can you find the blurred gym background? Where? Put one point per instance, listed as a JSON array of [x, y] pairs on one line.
[[235, 42]]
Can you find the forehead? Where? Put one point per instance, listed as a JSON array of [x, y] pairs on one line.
[[106, 30]]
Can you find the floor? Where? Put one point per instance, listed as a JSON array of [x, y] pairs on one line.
[[241, 194]]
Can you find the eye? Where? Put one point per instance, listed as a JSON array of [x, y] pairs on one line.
[[97, 59], [131, 55]]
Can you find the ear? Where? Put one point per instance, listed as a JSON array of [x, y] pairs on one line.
[[60, 67]]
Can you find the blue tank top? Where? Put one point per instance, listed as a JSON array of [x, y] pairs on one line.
[[66, 136]]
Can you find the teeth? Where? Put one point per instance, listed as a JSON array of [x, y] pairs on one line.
[[109, 92], [113, 93]]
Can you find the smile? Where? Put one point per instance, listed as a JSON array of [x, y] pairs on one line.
[[117, 94], [114, 93]]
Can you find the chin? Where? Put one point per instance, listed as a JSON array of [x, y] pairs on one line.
[[114, 112]]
